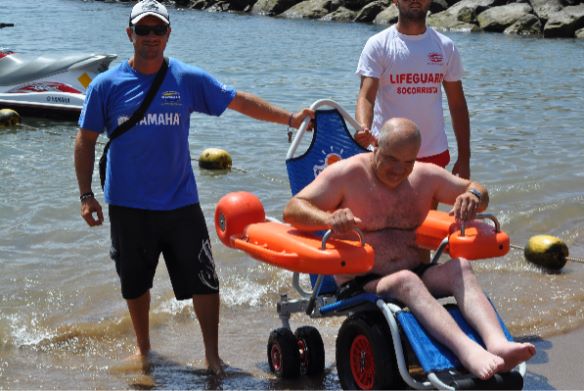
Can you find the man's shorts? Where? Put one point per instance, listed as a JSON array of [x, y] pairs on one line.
[[442, 159], [140, 236]]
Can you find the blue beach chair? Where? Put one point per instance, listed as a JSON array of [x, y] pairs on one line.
[[380, 345]]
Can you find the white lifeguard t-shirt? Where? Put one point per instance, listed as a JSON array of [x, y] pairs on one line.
[[411, 69]]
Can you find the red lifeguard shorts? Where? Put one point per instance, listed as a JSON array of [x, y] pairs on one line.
[[442, 159]]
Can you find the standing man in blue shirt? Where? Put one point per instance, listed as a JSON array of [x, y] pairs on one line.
[[150, 186]]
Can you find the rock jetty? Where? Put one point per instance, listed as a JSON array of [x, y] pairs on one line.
[[545, 18]]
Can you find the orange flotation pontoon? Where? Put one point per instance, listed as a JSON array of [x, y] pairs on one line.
[[240, 223], [477, 240], [284, 246]]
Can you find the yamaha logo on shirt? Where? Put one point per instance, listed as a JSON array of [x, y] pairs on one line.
[[156, 119]]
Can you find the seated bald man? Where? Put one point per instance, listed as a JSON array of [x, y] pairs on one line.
[[387, 194]]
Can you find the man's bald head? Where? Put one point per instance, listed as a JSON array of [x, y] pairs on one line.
[[400, 133], [397, 149]]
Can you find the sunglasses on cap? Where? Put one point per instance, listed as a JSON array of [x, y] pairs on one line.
[[143, 30]]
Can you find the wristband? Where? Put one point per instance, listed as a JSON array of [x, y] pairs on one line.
[[290, 120], [476, 193], [86, 196]]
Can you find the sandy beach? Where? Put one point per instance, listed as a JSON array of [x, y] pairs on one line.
[[557, 364]]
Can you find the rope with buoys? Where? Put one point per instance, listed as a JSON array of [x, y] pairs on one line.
[[217, 167], [543, 250], [547, 251], [216, 159]]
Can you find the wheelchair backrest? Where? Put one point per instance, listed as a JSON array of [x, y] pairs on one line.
[[331, 142]]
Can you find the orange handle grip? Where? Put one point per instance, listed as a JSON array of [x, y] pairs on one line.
[[261, 252]]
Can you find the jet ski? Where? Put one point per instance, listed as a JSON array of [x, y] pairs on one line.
[[51, 86]]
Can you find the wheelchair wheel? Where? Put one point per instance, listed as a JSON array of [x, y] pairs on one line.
[[311, 349], [365, 355], [283, 353]]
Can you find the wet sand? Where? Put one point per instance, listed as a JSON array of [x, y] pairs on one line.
[[558, 363]]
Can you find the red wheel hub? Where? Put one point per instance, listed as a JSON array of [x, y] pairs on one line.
[[303, 352], [362, 363], [276, 355]]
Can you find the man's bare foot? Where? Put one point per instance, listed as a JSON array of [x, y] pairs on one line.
[[481, 363], [139, 359], [136, 362], [513, 353], [216, 367]]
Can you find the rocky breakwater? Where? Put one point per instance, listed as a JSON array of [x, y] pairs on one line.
[[547, 18], [550, 18]]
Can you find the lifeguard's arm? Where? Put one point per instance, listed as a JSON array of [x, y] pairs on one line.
[[461, 126], [84, 157], [255, 107], [466, 197], [315, 207], [364, 110]]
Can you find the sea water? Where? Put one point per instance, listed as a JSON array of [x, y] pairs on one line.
[[63, 323]]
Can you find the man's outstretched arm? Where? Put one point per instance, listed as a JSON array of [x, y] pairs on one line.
[[255, 107]]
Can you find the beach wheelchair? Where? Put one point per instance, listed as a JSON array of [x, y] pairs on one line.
[[380, 344]]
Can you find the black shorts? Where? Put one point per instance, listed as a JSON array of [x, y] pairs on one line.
[[140, 236]]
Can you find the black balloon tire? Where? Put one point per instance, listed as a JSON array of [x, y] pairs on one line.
[[311, 349], [283, 354], [370, 330]]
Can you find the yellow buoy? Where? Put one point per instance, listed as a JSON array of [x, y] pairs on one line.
[[547, 251], [9, 117], [215, 159]]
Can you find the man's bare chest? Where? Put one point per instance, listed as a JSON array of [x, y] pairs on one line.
[[403, 208]]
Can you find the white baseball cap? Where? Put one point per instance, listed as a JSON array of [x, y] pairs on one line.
[[149, 7]]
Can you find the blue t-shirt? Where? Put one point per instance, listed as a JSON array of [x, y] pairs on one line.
[[149, 166]]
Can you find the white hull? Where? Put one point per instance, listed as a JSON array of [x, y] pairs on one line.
[[44, 104], [46, 86]]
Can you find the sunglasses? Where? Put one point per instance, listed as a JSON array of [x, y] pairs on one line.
[[142, 30]]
